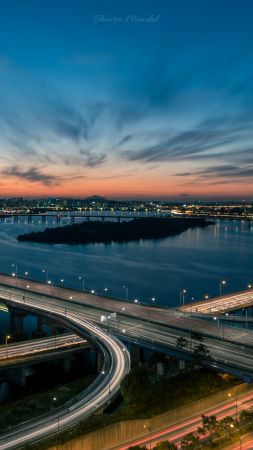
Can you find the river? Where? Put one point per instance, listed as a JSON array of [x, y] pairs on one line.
[[195, 260]]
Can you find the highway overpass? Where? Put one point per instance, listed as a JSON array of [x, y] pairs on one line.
[[40, 349], [99, 318], [116, 363], [151, 327], [221, 305]]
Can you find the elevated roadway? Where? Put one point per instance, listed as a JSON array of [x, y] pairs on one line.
[[231, 349], [116, 364], [221, 305], [39, 349]]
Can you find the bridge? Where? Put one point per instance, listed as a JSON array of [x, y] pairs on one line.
[[119, 216], [40, 349], [221, 305], [115, 365], [151, 327]]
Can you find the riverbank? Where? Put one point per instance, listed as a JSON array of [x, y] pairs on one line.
[[107, 232]]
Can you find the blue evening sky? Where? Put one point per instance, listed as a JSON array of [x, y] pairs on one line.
[[128, 98]]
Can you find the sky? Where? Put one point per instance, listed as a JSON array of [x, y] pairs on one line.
[[130, 100]]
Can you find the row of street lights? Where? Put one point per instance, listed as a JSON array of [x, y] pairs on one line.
[[222, 284], [182, 293]]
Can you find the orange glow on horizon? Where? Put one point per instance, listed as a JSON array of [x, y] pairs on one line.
[[146, 187]]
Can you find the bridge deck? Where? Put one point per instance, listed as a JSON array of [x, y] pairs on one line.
[[30, 349], [221, 305]]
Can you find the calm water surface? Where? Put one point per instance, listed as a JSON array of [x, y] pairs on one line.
[[195, 260]]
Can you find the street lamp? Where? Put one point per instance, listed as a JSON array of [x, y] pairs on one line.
[[235, 398], [237, 422], [182, 296], [126, 291], [45, 271], [136, 301], [15, 269], [6, 344], [82, 279], [222, 283], [218, 322], [148, 427]]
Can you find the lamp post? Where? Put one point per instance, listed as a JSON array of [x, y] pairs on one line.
[[82, 280], [136, 301], [126, 291], [6, 344], [45, 271], [148, 427], [218, 322], [236, 408], [236, 418], [222, 283], [182, 296], [15, 268]]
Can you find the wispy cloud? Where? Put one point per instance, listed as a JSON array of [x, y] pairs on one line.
[[33, 174]]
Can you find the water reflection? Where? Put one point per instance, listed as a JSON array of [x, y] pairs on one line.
[[196, 259]]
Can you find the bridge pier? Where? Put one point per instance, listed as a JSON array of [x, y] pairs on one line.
[[39, 332], [15, 218], [160, 369], [181, 364], [72, 219], [29, 218], [43, 219], [137, 355], [58, 218], [17, 324]]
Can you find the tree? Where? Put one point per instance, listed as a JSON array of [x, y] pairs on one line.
[[246, 417], [200, 352], [227, 425], [181, 343], [165, 445], [189, 441], [210, 427], [136, 388], [196, 337]]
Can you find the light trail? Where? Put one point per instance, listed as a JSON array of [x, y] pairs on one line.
[[19, 350], [175, 432], [116, 365]]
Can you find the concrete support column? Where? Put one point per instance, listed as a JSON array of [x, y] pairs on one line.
[[39, 330], [137, 355], [181, 364], [160, 369]]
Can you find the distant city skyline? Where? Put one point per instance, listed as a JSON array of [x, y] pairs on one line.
[[146, 100]]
